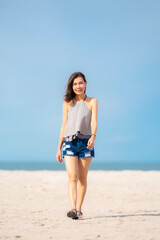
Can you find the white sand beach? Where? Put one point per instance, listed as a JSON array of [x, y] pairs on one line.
[[118, 205]]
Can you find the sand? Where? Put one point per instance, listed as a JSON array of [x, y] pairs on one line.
[[118, 205]]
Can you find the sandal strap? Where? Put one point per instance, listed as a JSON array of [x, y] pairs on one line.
[[74, 209], [80, 212]]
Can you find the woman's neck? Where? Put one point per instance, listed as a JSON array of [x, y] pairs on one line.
[[79, 98]]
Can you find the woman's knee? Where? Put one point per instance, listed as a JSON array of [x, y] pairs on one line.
[[82, 180], [73, 177]]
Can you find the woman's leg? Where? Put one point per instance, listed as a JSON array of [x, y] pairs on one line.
[[83, 164], [72, 170]]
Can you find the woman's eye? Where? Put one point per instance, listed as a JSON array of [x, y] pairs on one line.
[[79, 83]]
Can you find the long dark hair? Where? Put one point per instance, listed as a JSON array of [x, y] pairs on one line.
[[69, 92]]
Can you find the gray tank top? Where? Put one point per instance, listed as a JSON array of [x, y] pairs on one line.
[[79, 122]]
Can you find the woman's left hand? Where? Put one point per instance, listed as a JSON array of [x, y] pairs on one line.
[[91, 142]]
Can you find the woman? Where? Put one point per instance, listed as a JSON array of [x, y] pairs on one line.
[[77, 137]]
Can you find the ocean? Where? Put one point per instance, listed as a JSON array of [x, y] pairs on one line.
[[105, 166]]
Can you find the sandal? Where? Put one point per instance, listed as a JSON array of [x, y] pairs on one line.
[[72, 214], [79, 214]]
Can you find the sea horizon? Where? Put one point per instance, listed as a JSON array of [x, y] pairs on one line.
[[55, 166]]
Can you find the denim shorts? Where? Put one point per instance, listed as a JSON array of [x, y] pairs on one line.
[[77, 148]]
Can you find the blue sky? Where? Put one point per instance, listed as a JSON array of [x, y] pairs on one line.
[[116, 44]]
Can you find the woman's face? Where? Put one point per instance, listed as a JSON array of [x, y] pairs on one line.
[[79, 85]]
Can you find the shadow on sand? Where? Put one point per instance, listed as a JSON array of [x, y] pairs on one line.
[[123, 216]]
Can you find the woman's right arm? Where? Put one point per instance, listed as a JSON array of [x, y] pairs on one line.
[[64, 123], [65, 118]]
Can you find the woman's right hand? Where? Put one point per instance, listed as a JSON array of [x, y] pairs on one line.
[[59, 156]]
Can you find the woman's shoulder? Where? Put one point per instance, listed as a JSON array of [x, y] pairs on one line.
[[67, 104], [92, 100]]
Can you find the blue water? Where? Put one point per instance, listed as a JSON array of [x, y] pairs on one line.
[[55, 166]]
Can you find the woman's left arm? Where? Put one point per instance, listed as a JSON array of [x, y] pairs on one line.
[[93, 122]]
